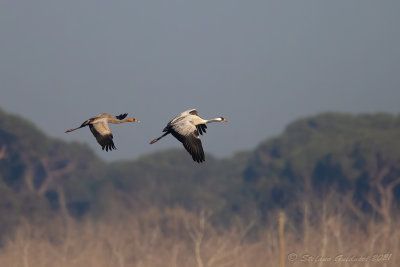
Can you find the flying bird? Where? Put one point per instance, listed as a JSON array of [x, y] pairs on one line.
[[99, 127], [186, 127]]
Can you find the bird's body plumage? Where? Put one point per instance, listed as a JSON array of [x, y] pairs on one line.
[[99, 127], [187, 128]]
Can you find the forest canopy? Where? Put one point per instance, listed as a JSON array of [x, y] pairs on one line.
[[331, 157]]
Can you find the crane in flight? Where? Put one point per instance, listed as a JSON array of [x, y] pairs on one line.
[[99, 127], [187, 128]]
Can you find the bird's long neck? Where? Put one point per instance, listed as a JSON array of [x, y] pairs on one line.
[[213, 120], [121, 121]]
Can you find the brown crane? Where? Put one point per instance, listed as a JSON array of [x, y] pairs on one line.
[[99, 127]]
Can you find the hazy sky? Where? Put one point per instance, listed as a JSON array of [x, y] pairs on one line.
[[261, 64]]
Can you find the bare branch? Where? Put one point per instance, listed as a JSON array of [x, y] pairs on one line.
[[52, 174], [356, 210], [3, 152], [393, 183]]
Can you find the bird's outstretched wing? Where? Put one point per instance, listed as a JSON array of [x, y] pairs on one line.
[[188, 135], [103, 135], [121, 116]]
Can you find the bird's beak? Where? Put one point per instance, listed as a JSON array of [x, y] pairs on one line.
[[225, 120], [135, 120]]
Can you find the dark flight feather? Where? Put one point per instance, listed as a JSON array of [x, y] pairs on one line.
[[201, 128], [121, 116]]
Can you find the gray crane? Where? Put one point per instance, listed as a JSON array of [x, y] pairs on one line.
[[99, 127], [187, 128]]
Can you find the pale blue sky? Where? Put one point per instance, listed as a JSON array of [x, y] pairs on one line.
[[261, 64]]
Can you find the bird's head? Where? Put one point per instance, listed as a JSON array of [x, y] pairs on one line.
[[222, 119], [132, 120]]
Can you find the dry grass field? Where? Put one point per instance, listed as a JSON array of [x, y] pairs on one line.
[[175, 237]]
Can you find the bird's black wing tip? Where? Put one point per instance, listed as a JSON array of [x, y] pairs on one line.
[[108, 147], [201, 128], [121, 116], [198, 158]]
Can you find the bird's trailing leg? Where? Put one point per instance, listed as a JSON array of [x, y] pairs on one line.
[[86, 123], [155, 140], [70, 130]]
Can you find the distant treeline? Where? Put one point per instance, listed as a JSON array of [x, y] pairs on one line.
[[338, 161]]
